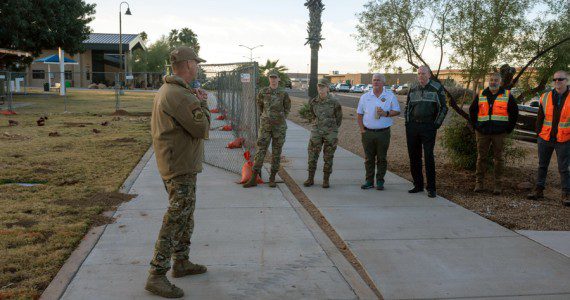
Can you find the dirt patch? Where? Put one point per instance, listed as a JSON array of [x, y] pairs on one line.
[[104, 199], [77, 124], [43, 171], [68, 181], [125, 140], [13, 136], [99, 220], [328, 229], [22, 223], [511, 209]]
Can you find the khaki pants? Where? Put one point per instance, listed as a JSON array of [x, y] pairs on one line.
[[497, 143]]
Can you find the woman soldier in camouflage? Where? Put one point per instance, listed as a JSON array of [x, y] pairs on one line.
[[326, 116]]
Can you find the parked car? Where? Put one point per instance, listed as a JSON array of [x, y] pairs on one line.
[[367, 88], [358, 88], [394, 87], [342, 87], [332, 87]]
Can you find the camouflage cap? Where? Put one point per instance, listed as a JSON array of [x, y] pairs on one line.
[[323, 81], [272, 73], [184, 53]]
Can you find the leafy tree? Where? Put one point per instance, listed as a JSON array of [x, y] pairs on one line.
[[183, 37], [314, 39], [480, 34], [33, 26], [272, 65]]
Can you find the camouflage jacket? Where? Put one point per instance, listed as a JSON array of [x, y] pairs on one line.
[[325, 114], [273, 105]]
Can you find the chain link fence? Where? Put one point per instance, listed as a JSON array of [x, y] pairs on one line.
[[232, 88]]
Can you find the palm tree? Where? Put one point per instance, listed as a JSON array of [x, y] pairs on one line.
[[272, 65], [314, 27]]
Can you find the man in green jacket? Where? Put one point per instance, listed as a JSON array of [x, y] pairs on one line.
[[179, 124]]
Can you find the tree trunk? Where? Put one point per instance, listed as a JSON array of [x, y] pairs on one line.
[[314, 71]]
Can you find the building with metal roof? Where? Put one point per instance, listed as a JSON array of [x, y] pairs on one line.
[[99, 63]]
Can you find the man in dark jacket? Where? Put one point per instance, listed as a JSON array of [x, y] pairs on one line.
[[426, 108], [493, 114]]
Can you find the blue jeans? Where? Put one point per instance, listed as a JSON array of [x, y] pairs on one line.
[[545, 149]]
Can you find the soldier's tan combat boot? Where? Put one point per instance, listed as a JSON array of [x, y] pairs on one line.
[[272, 179], [184, 267], [326, 184], [478, 187], [310, 180], [538, 194], [252, 181], [159, 285]]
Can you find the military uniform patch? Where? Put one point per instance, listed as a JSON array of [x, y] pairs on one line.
[[198, 115]]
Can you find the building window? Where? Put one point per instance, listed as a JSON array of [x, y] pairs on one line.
[[38, 74], [68, 75]]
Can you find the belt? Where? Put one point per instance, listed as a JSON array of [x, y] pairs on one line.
[[376, 130]]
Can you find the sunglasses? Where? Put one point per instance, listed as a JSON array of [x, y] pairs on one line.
[[558, 79]]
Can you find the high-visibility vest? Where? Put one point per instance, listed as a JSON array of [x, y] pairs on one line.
[[563, 134], [500, 112]]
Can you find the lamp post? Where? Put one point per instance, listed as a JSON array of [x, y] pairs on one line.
[[251, 51], [128, 13]]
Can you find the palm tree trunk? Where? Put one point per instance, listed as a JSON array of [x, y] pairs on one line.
[[314, 72]]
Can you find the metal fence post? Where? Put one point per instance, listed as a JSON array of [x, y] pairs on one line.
[[117, 96]]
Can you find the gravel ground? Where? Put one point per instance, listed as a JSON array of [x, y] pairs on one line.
[[511, 209]]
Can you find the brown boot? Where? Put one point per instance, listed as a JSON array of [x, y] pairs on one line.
[[159, 285], [310, 180], [538, 194], [181, 268], [478, 187], [252, 181], [566, 199], [272, 179], [326, 184]]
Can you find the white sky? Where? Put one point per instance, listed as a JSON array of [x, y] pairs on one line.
[[221, 25]]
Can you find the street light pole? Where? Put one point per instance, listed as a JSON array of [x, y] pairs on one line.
[[128, 13], [251, 51]]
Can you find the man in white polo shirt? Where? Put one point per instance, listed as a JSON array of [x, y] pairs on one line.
[[375, 111]]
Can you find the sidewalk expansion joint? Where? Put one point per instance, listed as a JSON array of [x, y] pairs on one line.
[[327, 228]]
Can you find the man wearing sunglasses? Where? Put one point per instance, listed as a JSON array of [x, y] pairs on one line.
[[553, 128]]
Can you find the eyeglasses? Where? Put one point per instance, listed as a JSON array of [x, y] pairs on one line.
[[558, 79]]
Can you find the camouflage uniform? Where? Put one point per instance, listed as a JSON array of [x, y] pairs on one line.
[[177, 224], [326, 115], [274, 107]]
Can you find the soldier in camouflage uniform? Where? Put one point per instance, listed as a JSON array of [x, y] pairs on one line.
[[179, 124], [274, 105], [326, 116]]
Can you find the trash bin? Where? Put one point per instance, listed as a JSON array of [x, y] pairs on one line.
[[46, 87]]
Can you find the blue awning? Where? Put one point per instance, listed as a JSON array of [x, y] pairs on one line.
[[54, 59]]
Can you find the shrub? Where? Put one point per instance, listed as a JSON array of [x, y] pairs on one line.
[[304, 112], [461, 145]]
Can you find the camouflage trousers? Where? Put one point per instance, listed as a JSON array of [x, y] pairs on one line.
[[326, 141], [269, 134], [177, 225]]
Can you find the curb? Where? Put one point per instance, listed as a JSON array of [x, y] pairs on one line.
[[58, 285]]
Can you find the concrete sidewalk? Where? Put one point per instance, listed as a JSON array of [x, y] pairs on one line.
[[417, 247], [252, 240]]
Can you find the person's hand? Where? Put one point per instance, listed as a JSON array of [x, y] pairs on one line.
[[200, 94]]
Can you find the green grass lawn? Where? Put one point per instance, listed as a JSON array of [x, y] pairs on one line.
[[79, 172]]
